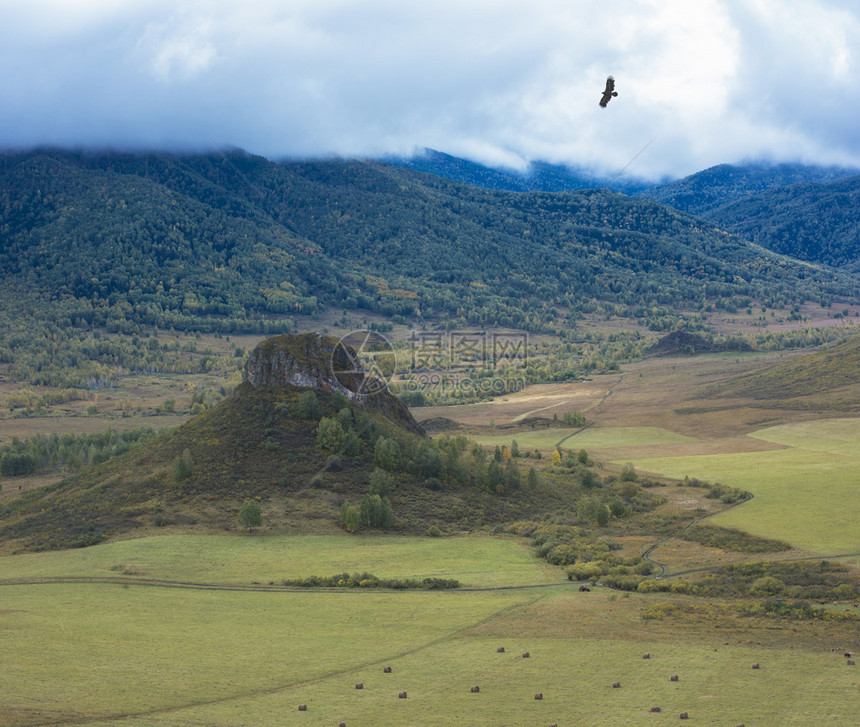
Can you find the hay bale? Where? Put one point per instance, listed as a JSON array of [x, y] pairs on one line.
[[673, 678], [386, 670], [526, 655], [756, 666], [538, 696], [656, 709], [616, 685], [646, 656], [359, 686], [475, 690], [684, 715], [500, 650], [402, 695], [303, 708]]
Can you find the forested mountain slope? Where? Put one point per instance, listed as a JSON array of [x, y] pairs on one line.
[[227, 241], [811, 213]]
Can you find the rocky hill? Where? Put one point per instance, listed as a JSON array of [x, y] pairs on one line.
[[307, 431]]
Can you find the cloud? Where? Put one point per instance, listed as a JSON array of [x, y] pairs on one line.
[[499, 81]]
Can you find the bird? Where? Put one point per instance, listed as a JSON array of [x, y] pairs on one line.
[[608, 92]]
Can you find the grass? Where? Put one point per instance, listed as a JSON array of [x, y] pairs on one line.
[[591, 438], [806, 495], [107, 650], [173, 658], [226, 559]]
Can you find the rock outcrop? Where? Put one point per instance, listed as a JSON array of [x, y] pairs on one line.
[[325, 363]]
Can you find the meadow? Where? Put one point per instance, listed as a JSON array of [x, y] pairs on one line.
[[120, 654], [806, 494], [590, 438]]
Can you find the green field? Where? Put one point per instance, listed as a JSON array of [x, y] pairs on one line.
[[591, 438], [111, 654], [225, 559], [807, 495]]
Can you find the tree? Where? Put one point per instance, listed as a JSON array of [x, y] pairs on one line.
[[582, 456], [381, 483], [349, 517], [331, 435], [512, 476], [183, 466], [427, 461], [532, 479], [309, 406], [602, 516], [386, 454], [251, 514]]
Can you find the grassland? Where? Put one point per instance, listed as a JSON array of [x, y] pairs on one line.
[[591, 438], [99, 654], [227, 559], [806, 495]]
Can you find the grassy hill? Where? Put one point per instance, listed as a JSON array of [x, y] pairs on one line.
[[828, 370]]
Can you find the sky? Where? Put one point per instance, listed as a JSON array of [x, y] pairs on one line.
[[500, 82]]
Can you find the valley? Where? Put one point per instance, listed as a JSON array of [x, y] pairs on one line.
[[609, 429]]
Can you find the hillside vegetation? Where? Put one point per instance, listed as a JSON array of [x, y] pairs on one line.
[[229, 242], [810, 213]]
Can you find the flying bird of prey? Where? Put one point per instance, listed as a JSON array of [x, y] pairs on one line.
[[608, 92]]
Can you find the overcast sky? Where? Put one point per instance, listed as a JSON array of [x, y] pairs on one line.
[[501, 82]]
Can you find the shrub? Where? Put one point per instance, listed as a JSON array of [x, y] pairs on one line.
[[434, 532], [433, 483]]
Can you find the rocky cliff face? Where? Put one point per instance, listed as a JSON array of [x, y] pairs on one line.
[[308, 360], [314, 361]]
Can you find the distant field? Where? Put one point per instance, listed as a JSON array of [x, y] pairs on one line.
[[591, 438], [806, 495], [474, 561]]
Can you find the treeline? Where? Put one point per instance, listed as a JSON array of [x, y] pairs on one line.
[[48, 453]]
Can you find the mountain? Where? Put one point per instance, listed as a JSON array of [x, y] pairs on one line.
[[538, 176], [715, 187], [810, 213], [235, 242], [814, 221]]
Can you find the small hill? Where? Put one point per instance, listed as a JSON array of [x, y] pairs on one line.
[[681, 343], [824, 371], [258, 443], [303, 433]]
